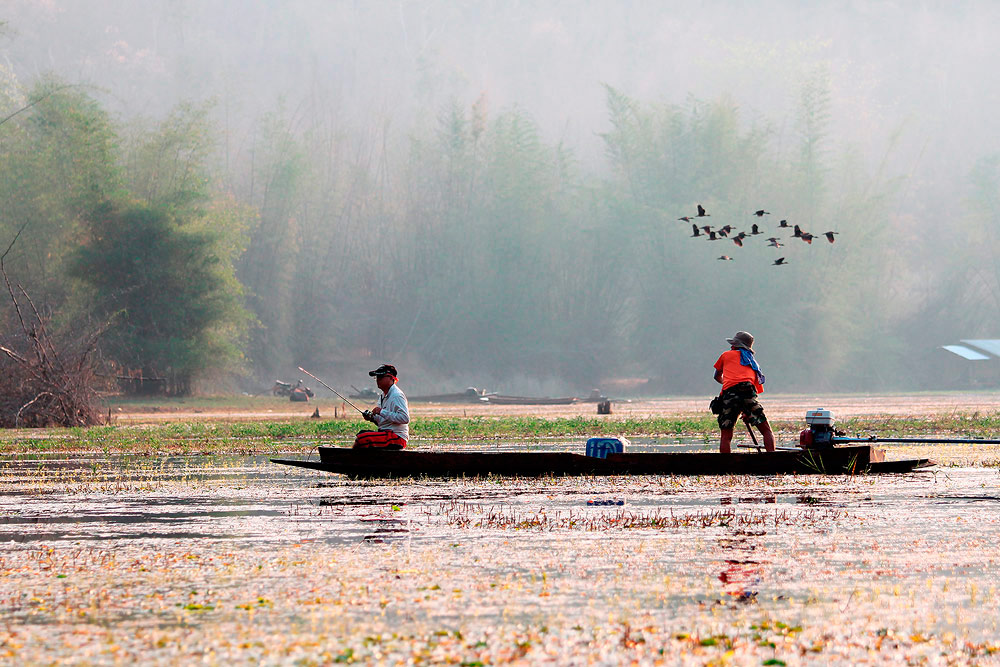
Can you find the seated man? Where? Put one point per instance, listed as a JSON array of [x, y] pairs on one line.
[[392, 415]]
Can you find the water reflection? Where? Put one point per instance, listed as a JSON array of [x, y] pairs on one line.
[[535, 548], [740, 579], [741, 576], [385, 529], [768, 499]]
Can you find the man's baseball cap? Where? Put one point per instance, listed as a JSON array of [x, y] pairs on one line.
[[384, 369]]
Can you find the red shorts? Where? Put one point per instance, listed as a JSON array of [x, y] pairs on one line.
[[387, 439]]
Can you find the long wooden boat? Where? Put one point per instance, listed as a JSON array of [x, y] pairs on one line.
[[368, 463]]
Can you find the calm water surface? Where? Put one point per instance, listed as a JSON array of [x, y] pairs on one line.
[[913, 557]]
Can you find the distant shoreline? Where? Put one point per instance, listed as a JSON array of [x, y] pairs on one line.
[[257, 425]]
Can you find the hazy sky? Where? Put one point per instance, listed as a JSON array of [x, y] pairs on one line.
[[921, 67], [912, 87]]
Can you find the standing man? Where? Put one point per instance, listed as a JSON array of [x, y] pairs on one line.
[[741, 379], [392, 415]]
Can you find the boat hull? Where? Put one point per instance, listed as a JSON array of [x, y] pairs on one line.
[[370, 463]]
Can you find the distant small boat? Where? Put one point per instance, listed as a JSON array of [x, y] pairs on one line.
[[498, 399], [366, 394], [368, 463], [470, 395]]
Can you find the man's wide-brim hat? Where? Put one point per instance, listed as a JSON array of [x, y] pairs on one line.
[[741, 339], [384, 369]]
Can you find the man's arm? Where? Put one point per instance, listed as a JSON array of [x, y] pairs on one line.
[[718, 376], [394, 412]]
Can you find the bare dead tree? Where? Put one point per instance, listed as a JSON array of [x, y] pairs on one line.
[[43, 382]]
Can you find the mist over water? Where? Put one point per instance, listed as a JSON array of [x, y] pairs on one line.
[[487, 193]]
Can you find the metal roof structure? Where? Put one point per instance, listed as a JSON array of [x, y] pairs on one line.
[[966, 352], [990, 345]]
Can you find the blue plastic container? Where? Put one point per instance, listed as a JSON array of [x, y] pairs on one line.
[[600, 447]]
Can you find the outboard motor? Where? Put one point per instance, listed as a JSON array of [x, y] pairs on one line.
[[821, 432]]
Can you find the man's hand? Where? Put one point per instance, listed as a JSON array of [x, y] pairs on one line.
[[377, 410], [368, 416]]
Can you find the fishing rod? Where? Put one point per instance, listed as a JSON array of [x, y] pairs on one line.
[[332, 389], [750, 431]]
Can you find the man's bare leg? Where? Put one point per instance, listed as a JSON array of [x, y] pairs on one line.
[[765, 430], [726, 438]]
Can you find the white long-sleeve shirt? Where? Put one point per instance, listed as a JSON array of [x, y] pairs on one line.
[[395, 413]]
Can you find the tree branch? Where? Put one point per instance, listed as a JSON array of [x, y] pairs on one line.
[[36, 101], [17, 419], [6, 280]]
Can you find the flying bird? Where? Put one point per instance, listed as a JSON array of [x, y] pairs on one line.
[[761, 213], [738, 241], [686, 218], [726, 257], [712, 236], [798, 232], [701, 212], [780, 261], [707, 228], [774, 243], [807, 237], [782, 223], [829, 236], [754, 230], [694, 231]]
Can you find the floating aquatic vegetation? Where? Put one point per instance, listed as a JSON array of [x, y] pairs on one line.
[[465, 515], [173, 560]]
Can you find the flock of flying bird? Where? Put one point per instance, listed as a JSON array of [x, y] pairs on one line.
[[727, 232]]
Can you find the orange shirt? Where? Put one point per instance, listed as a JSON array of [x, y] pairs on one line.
[[733, 372]]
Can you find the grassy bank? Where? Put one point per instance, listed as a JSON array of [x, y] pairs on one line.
[[274, 436]]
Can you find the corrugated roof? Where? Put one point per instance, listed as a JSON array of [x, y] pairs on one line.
[[991, 345], [965, 352]]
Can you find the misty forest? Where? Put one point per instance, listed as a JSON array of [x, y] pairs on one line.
[[490, 193]]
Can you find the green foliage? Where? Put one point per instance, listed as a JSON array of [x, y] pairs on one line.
[[270, 266], [964, 301], [305, 434], [177, 310], [167, 165], [666, 160], [57, 160], [161, 267], [480, 250], [814, 126], [983, 223]]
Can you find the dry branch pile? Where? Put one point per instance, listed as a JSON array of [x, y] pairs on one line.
[[38, 387], [44, 382]]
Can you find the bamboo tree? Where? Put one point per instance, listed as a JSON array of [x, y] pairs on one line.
[[268, 267], [57, 160], [178, 309]]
